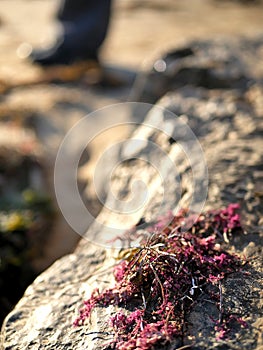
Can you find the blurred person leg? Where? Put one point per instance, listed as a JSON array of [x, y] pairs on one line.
[[84, 28]]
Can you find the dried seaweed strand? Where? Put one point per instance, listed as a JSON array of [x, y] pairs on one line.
[[157, 284]]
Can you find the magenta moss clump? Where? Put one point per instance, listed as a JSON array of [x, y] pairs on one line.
[[158, 282]]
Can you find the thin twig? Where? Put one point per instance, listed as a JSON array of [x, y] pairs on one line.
[[185, 347], [220, 303], [143, 299], [159, 281]]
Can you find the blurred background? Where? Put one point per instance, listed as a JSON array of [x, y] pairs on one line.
[[138, 30], [38, 106]]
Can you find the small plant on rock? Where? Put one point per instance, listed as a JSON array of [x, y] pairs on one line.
[[157, 283]]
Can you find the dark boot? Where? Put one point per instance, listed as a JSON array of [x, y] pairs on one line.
[[60, 55], [85, 24]]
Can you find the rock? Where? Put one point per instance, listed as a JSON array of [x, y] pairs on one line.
[[217, 64], [228, 124]]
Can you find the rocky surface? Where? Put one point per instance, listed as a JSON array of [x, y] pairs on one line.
[[228, 123], [217, 64]]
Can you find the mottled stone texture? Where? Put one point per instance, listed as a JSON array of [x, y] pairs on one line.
[[227, 119]]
